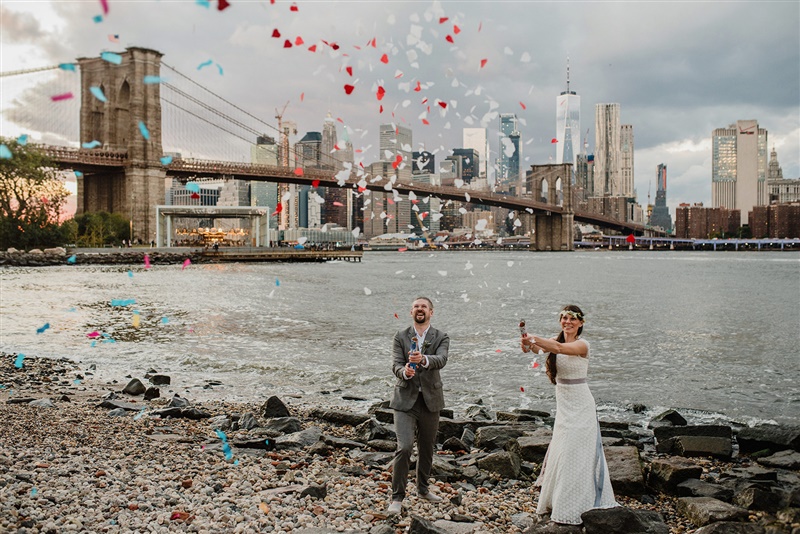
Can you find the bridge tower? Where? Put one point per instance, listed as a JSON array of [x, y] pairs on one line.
[[552, 184], [116, 124]]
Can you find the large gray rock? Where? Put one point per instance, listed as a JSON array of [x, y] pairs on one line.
[[623, 520], [755, 498], [160, 380], [284, 425], [786, 459], [704, 510], [665, 474], [342, 443], [444, 470], [42, 403], [496, 437], [248, 421], [667, 418], [274, 407], [372, 430], [452, 527], [113, 404], [455, 445], [729, 527], [134, 387], [423, 526], [713, 431], [773, 437], [340, 417], [688, 446], [694, 487], [478, 413], [626, 470], [504, 463], [298, 440], [383, 415], [454, 428], [534, 446]]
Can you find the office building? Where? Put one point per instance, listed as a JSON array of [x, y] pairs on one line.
[[660, 216], [509, 152], [739, 167], [396, 141], [478, 140], [607, 162], [699, 222], [626, 188], [470, 163], [568, 125], [423, 163]]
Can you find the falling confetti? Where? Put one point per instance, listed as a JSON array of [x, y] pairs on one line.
[[42, 328], [348, 89], [395, 316], [92, 335], [34, 491], [193, 187], [22, 139], [111, 57], [91, 144], [18, 361], [150, 79], [205, 64], [164, 320], [186, 263], [367, 291], [166, 160], [62, 96], [146, 261], [144, 131], [140, 414], [122, 302], [136, 318], [226, 448], [483, 62], [222, 5], [5, 152], [67, 66], [522, 389], [277, 283]]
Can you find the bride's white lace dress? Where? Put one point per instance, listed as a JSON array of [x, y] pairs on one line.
[[574, 475]]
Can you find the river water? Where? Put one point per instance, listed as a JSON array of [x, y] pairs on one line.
[[715, 334]]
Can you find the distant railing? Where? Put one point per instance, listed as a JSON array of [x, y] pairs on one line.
[[103, 156]]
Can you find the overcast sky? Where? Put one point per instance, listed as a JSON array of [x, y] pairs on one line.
[[678, 69]]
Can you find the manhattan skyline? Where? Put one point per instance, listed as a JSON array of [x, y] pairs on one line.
[[678, 71]]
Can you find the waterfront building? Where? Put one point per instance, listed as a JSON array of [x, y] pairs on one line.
[[780, 189], [478, 140], [660, 216], [775, 221], [607, 151], [568, 125], [626, 161], [470, 163], [699, 222], [509, 151], [739, 167]]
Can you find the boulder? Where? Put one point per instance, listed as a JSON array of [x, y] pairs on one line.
[[773, 437], [445, 471], [385, 445], [248, 421], [194, 414], [729, 527], [384, 416], [160, 380], [786, 459], [623, 520], [152, 393], [455, 445], [457, 527], [168, 412], [453, 428], [704, 510], [56, 251], [113, 404], [220, 422], [626, 470], [372, 429], [703, 446], [534, 446], [118, 412], [504, 463], [423, 526], [298, 440], [713, 431], [665, 474], [274, 407], [261, 444], [178, 402], [284, 425], [695, 487], [755, 498], [516, 417], [342, 443], [496, 437], [315, 491], [468, 436], [478, 413], [42, 403], [667, 418], [134, 387], [341, 417]]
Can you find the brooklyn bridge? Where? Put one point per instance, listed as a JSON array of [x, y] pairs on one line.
[[122, 166]]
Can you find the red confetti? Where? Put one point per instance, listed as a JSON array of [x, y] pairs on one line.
[[293, 7], [276, 34], [630, 239], [44, 200], [349, 70], [395, 316], [398, 160], [373, 43], [380, 110], [348, 88], [449, 39], [401, 249], [299, 41], [553, 140], [418, 88], [340, 120], [425, 101], [384, 59], [442, 104], [287, 43], [442, 20], [535, 365], [483, 62], [298, 171], [498, 350], [480, 25], [425, 122], [315, 183], [523, 105], [302, 96], [194, 195], [457, 30], [361, 189], [312, 48], [278, 209], [64, 96], [381, 92], [423, 215], [222, 5], [335, 46], [522, 389]]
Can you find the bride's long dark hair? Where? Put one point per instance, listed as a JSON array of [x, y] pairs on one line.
[[550, 366]]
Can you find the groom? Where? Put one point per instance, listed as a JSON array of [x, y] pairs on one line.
[[417, 400]]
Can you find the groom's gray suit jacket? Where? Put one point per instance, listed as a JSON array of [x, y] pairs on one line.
[[437, 343]]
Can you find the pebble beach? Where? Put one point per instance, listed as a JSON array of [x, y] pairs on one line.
[[69, 465]]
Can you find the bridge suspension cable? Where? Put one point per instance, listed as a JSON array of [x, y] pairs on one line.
[[27, 71]]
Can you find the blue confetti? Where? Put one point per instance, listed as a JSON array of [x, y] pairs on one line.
[[98, 93], [130, 274], [219, 67], [164, 320], [193, 187], [34, 491], [93, 344], [122, 302], [277, 282], [138, 415], [2, 386], [152, 79], [92, 144], [67, 66], [203, 3], [110, 340], [72, 259], [72, 309], [225, 447], [77, 382], [18, 361], [42, 328], [5, 152], [166, 160], [236, 462], [107, 336], [78, 174], [144, 130], [22, 139], [111, 57], [97, 19], [205, 64]]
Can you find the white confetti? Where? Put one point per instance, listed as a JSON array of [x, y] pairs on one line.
[[356, 231], [367, 291], [510, 263], [443, 273]]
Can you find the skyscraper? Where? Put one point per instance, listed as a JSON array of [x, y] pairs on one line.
[[607, 150], [568, 125], [508, 162], [265, 152], [739, 167], [626, 161], [396, 141], [470, 163], [660, 216], [476, 139]]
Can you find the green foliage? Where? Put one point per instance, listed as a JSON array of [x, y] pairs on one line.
[[32, 196], [101, 228]]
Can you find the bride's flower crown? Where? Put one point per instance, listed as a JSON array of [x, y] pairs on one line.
[[573, 314]]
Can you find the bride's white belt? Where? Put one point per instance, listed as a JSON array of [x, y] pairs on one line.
[[570, 381]]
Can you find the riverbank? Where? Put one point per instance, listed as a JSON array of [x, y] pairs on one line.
[[91, 458]]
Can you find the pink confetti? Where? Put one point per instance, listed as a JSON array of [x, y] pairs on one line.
[[104, 3], [312, 48], [93, 334], [186, 263], [302, 96], [535, 365], [64, 96], [146, 261], [298, 171], [425, 122], [338, 204], [299, 41], [498, 350], [483, 62], [402, 249]]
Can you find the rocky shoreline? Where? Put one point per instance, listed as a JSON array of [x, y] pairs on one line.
[[80, 455], [60, 256]]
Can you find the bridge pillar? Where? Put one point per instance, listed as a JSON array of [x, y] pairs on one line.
[[136, 191], [552, 184], [553, 232]]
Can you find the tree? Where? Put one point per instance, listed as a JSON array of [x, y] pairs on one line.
[[101, 228], [32, 196]]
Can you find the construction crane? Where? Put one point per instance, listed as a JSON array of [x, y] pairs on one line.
[[284, 135]]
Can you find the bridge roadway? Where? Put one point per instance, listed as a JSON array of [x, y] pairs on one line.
[[96, 160]]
